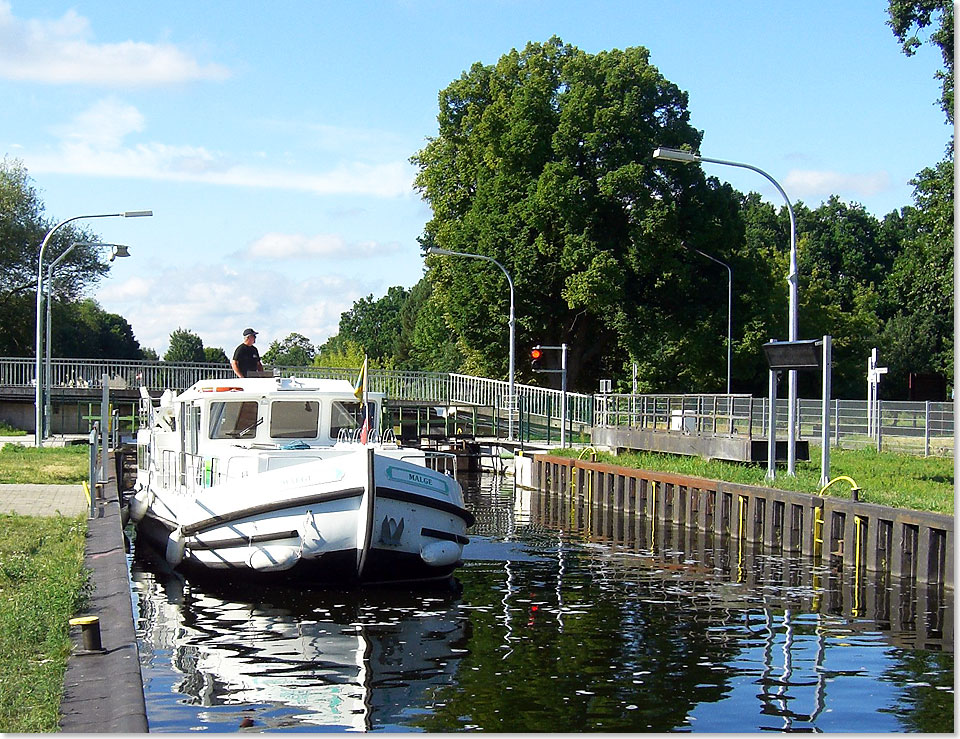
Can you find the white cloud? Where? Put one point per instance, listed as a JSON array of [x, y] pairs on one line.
[[93, 144], [226, 301], [822, 183], [296, 246], [61, 51], [103, 125]]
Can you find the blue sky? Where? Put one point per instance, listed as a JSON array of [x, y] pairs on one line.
[[272, 139]]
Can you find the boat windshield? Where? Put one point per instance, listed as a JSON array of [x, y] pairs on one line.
[[234, 420], [348, 415], [294, 419]]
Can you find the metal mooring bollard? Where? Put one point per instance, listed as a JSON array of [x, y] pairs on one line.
[[90, 631]]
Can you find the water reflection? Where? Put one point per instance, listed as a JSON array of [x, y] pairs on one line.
[[287, 658], [568, 620]]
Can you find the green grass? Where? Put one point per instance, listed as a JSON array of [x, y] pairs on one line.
[[6, 430], [43, 583], [886, 478], [67, 465]]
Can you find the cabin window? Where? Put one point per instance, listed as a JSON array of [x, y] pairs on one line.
[[234, 420], [193, 429], [348, 415], [294, 419]]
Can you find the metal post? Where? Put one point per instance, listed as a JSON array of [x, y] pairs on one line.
[[879, 422], [38, 393], [563, 396], [92, 469], [836, 414], [825, 421], [104, 415], [792, 283], [926, 428], [772, 429]]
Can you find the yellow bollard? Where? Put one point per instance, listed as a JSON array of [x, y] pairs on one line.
[[89, 631]]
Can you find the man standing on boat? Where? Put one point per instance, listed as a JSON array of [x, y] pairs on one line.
[[246, 357]]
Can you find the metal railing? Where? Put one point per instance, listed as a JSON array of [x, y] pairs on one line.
[[720, 415], [917, 427]]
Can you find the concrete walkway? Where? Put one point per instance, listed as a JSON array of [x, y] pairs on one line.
[[104, 691], [43, 500]]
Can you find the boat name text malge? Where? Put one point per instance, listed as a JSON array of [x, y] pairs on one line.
[[414, 478]]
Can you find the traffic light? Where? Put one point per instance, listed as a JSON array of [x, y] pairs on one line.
[[535, 355]]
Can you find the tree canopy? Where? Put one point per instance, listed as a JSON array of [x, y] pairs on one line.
[[543, 161], [294, 351], [22, 230], [185, 346]]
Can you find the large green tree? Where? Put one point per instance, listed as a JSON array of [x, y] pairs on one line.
[[425, 341], [294, 351], [910, 19], [374, 325], [543, 162], [185, 346], [22, 230], [82, 328], [918, 337]]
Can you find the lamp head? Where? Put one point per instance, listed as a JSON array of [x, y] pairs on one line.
[[119, 250], [675, 155], [136, 213]]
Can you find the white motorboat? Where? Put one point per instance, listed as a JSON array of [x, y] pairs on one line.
[[281, 477]]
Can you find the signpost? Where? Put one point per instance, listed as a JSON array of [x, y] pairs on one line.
[[808, 354]]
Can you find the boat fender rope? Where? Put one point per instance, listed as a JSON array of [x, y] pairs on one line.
[[311, 541]]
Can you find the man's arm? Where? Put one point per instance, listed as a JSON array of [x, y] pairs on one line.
[[236, 368]]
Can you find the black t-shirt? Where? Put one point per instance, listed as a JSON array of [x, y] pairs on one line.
[[247, 358]]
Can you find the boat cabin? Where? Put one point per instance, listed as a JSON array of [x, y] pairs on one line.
[[232, 428], [272, 412]]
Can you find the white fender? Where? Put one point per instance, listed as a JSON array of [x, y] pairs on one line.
[[311, 542], [140, 504], [273, 558], [175, 546], [439, 553]]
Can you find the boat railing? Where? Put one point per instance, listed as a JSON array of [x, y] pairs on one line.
[[443, 462]]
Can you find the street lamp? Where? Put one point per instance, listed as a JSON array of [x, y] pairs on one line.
[[38, 400], [729, 303], [686, 157], [116, 250], [512, 399]]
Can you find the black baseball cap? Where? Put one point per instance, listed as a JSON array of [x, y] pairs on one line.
[[249, 332]]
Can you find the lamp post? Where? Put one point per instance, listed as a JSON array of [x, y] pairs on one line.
[[686, 157], [512, 398], [38, 382], [116, 250], [729, 304]]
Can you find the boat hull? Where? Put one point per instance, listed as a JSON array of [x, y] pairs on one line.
[[378, 520]]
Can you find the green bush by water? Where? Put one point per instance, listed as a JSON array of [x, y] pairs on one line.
[[885, 478], [43, 584]]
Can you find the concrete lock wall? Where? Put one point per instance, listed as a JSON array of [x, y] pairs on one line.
[[898, 542]]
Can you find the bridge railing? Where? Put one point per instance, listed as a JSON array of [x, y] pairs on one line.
[[911, 426]]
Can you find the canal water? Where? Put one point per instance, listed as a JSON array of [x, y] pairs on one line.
[[559, 621]]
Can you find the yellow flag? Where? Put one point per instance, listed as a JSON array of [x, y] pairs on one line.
[[361, 389]]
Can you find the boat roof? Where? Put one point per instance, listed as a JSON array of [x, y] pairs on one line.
[[264, 386]]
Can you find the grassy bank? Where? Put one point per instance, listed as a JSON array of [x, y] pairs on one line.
[[886, 478], [43, 583], [67, 465]]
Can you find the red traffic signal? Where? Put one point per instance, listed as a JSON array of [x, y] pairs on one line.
[[536, 354]]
